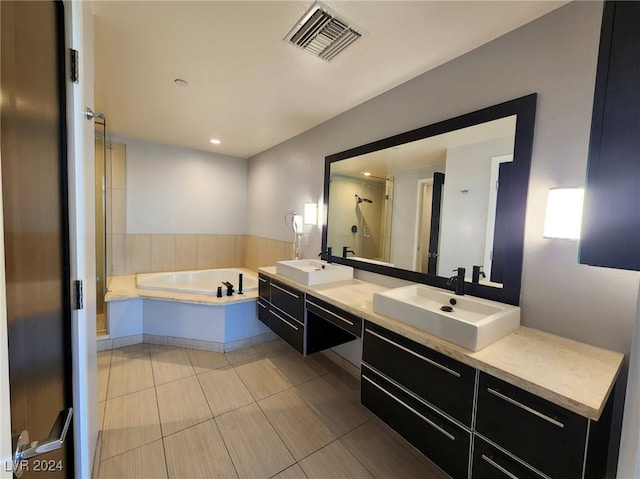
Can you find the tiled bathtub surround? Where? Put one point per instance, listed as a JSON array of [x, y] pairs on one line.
[[150, 253], [259, 412]]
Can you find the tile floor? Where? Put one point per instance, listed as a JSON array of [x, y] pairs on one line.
[[258, 412]]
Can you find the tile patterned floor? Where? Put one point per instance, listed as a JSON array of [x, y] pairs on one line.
[[259, 412]]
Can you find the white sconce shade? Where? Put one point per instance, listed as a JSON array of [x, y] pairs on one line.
[[310, 213], [564, 213]]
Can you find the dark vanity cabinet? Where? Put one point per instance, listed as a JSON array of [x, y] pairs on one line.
[[611, 222], [307, 323], [423, 395], [286, 314], [550, 439], [472, 424], [264, 299]]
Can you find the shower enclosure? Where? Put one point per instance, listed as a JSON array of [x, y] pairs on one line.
[[363, 223], [102, 165]]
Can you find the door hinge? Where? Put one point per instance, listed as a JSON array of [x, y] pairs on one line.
[[77, 295], [74, 65]]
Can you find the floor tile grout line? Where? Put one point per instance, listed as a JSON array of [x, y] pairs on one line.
[[164, 451], [127, 393], [356, 457], [226, 446]]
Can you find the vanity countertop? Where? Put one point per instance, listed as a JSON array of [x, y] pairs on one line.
[[574, 375]]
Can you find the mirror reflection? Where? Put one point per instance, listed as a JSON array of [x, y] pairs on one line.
[[430, 205]]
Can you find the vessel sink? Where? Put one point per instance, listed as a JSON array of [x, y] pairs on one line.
[[313, 271], [470, 322]]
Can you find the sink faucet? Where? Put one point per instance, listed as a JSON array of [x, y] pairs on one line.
[[345, 250], [477, 272], [328, 252], [459, 280]]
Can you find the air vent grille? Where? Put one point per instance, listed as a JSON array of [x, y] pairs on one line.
[[322, 34]]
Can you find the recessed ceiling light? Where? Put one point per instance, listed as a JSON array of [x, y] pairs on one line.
[[366, 173], [181, 82], [215, 141]]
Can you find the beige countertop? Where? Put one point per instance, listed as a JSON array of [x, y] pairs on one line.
[[124, 287], [574, 375]]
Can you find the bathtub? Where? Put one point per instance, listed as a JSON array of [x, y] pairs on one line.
[[204, 281]]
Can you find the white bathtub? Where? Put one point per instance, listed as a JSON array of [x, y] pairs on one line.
[[204, 281]]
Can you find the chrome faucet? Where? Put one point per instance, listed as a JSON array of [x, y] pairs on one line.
[[459, 280]]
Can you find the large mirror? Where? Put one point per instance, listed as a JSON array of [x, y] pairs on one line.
[[421, 204]]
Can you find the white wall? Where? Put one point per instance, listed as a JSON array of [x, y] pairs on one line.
[[175, 190], [405, 209], [464, 215], [82, 238], [554, 56]]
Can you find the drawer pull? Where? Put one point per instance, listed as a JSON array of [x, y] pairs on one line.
[[499, 467], [286, 291], [260, 278], [526, 408], [283, 320], [350, 323], [430, 361], [428, 421], [263, 306]]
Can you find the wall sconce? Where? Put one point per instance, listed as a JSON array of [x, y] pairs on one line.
[[310, 213], [564, 213]]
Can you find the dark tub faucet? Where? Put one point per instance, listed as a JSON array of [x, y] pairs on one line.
[[240, 283], [459, 280], [229, 288], [345, 250], [477, 272]]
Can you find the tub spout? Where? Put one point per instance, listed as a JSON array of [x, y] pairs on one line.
[[229, 288]]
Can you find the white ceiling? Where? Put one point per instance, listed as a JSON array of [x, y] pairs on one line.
[[250, 88]]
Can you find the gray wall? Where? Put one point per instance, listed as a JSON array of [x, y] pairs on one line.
[[176, 190], [554, 56]]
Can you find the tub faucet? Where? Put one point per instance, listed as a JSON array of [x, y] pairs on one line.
[[345, 250], [229, 288], [459, 280], [477, 272]]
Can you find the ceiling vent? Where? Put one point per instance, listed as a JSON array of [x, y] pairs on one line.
[[322, 34]]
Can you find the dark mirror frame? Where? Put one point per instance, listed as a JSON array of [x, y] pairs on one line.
[[525, 109]]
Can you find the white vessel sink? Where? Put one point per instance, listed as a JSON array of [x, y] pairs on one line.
[[313, 271], [472, 323]]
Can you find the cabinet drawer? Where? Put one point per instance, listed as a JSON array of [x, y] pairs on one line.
[[546, 436], [441, 440], [442, 381], [337, 316], [287, 328], [489, 462], [288, 299], [262, 311], [263, 287]]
